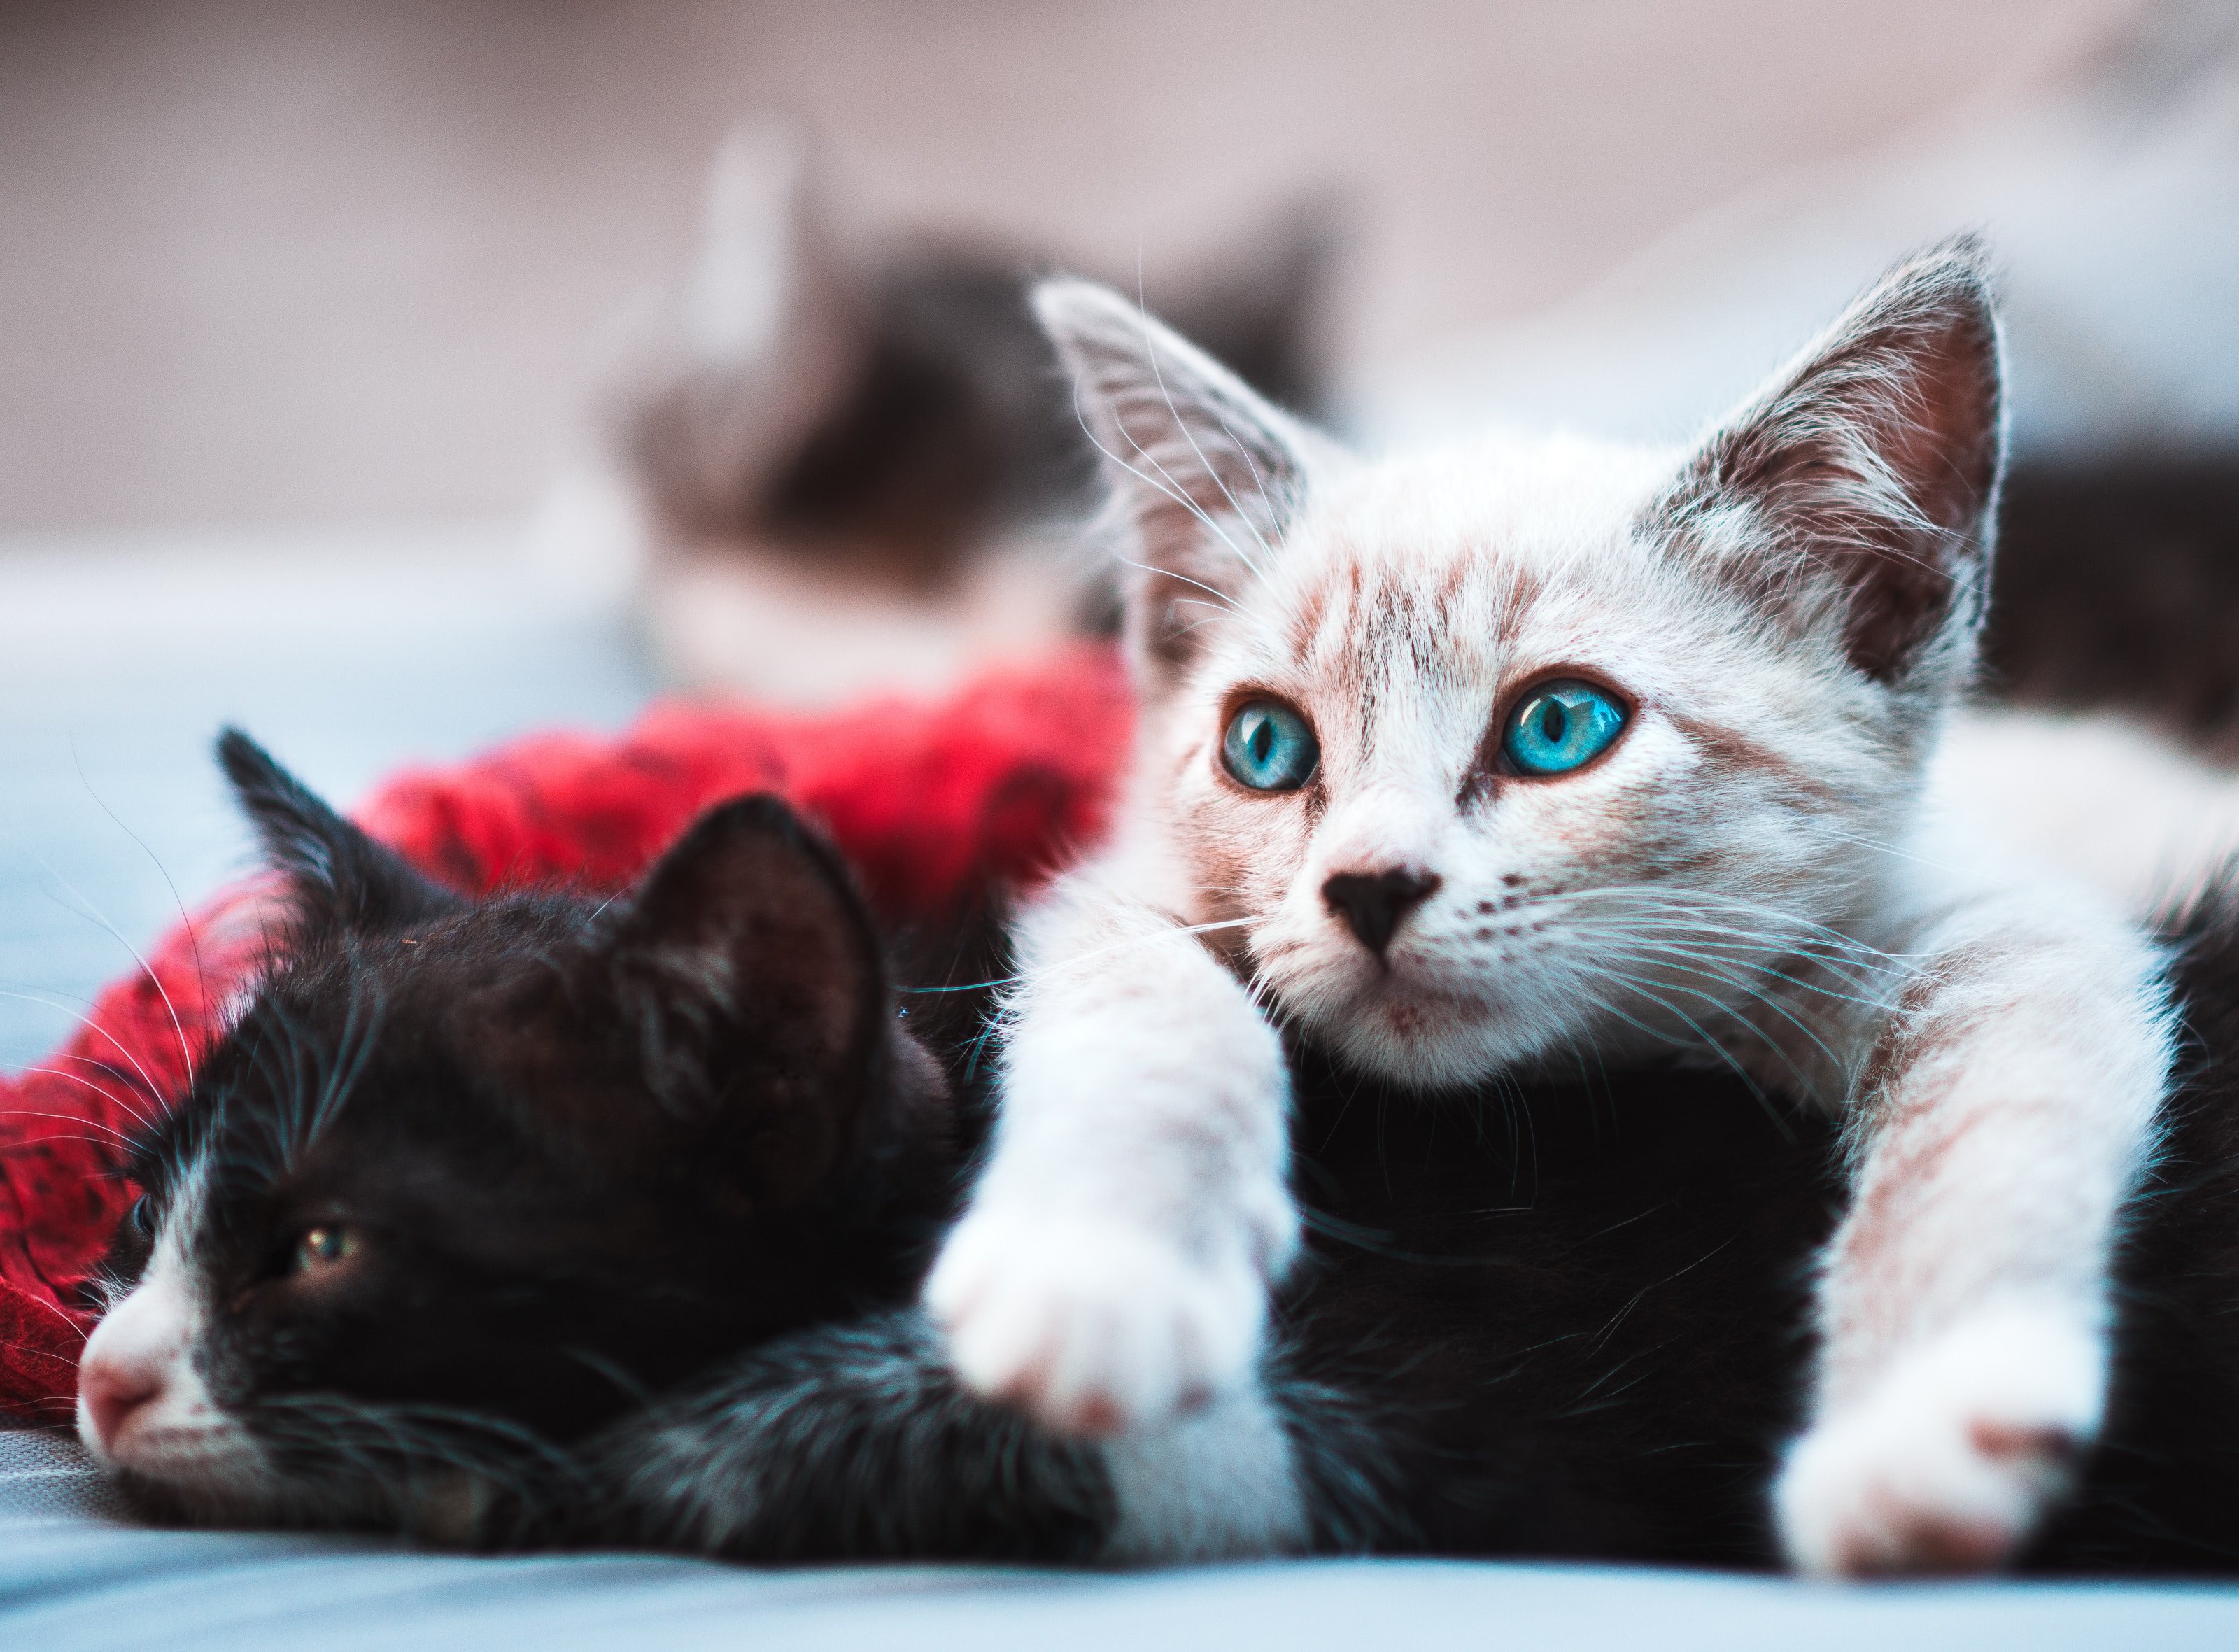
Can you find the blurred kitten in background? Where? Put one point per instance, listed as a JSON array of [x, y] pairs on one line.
[[839, 465]]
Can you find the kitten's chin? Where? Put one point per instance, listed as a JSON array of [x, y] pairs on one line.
[[1407, 1023], [210, 1476], [1423, 1041]]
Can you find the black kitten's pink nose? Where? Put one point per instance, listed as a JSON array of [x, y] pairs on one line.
[[111, 1390], [1374, 902]]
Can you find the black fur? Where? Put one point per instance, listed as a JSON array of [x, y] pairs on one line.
[[2118, 589], [1579, 1316], [1567, 1324], [584, 1147], [1573, 1314], [851, 1439]]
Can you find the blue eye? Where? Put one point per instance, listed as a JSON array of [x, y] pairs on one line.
[[1561, 726], [1269, 747]]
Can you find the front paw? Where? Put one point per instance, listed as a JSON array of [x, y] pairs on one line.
[[1949, 1461], [1092, 1327]]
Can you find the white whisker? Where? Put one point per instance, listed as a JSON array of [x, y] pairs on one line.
[[1158, 376]]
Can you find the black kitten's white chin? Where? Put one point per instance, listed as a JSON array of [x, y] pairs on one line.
[[143, 1408], [182, 1454], [212, 1472]]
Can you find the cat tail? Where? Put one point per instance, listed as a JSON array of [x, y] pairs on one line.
[[856, 1441]]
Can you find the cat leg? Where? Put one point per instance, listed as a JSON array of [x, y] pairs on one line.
[[1113, 1264], [1999, 1117]]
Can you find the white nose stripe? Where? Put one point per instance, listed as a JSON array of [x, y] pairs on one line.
[[144, 1345], [149, 1327]]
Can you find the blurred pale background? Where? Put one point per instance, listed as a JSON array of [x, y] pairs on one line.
[[291, 261]]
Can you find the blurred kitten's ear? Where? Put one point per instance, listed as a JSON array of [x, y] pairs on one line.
[[338, 876], [1208, 473], [1262, 310], [764, 248], [763, 339], [1857, 491], [756, 976]]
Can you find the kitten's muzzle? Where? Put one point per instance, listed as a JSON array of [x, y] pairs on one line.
[[134, 1377], [1373, 904], [111, 1394]]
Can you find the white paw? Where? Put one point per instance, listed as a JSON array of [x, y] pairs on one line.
[[1091, 1327], [1948, 1463]]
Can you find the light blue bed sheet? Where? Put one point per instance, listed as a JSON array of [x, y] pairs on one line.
[[73, 1576]]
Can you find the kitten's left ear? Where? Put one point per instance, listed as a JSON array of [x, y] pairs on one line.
[[1206, 471], [1857, 492], [756, 976], [339, 876]]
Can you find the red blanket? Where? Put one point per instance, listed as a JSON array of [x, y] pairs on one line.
[[1001, 780]]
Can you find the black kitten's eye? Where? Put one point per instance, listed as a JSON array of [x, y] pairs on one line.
[[141, 1218], [324, 1248]]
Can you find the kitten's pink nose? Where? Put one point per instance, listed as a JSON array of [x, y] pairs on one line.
[[112, 1390], [1374, 903], [135, 1363]]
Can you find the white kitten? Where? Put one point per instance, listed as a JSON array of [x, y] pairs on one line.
[[1536, 755]]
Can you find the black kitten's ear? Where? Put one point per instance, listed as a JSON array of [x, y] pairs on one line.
[[1857, 491], [339, 876], [758, 982]]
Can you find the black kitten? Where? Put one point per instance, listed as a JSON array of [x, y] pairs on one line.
[[537, 1219], [465, 1179], [912, 411]]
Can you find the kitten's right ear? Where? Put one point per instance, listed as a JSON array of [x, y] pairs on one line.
[[757, 975], [340, 878], [1208, 472], [1855, 496]]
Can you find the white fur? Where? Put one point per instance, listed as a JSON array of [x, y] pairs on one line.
[[1994, 1164], [1964, 1442], [1215, 1483], [1112, 1266], [146, 1343], [2119, 806], [786, 631], [1748, 877]]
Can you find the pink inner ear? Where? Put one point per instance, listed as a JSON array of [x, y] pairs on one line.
[[1943, 449], [1205, 467], [1941, 440], [1878, 462], [1210, 490]]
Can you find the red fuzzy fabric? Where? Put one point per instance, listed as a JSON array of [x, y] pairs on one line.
[[1000, 782]]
